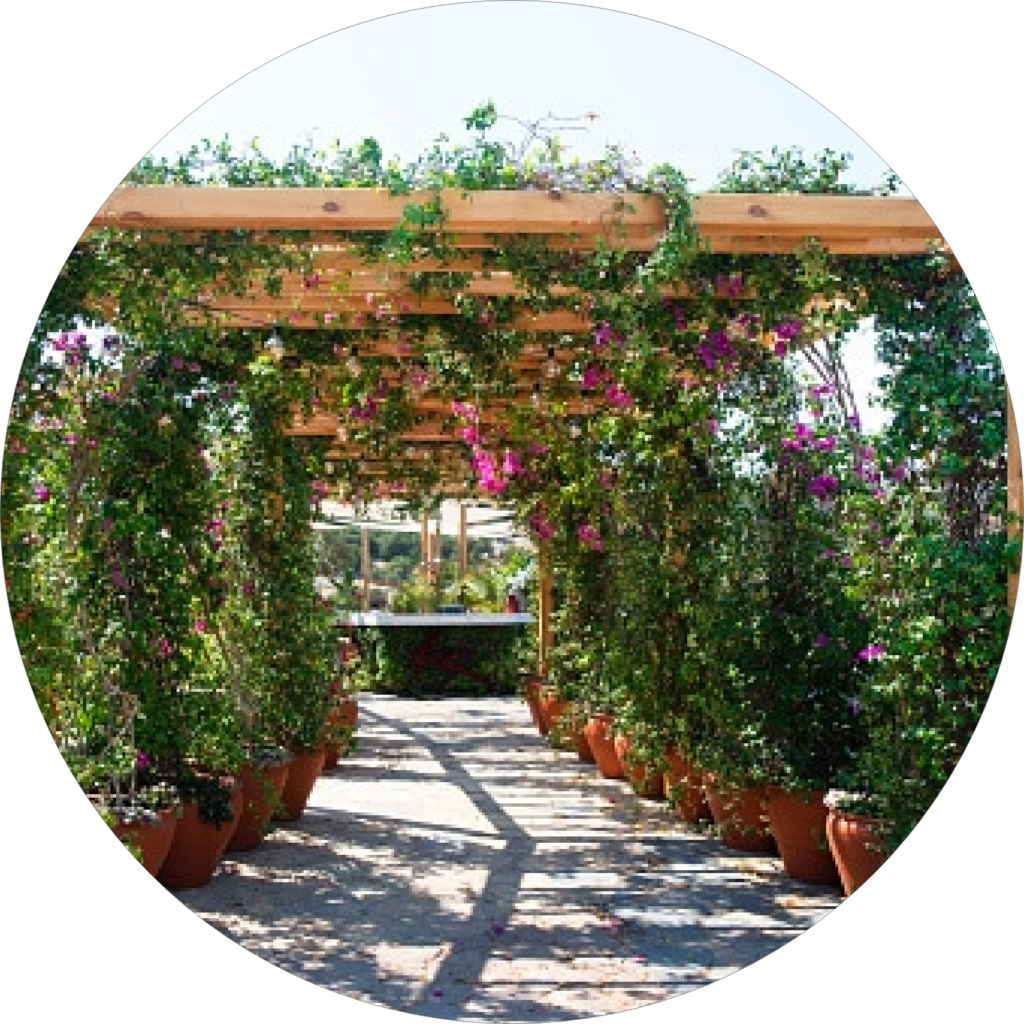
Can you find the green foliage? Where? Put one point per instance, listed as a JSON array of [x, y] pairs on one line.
[[422, 661]]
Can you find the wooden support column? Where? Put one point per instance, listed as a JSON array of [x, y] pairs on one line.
[[425, 547], [544, 601], [463, 542], [364, 539], [1014, 489]]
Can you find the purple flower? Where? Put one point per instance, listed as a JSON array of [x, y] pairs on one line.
[[871, 652], [513, 463], [107, 525], [200, 626], [780, 348], [826, 444], [854, 705], [142, 761], [592, 377], [886, 542], [194, 368], [178, 363], [590, 537], [71, 439], [42, 492], [821, 640]]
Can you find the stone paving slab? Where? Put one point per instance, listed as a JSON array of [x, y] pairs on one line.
[[456, 867]]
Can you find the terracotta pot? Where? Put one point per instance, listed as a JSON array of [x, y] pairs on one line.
[[198, 845], [797, 821], [532, 694], [645, 782], [554, 711], [848, 836], [153, 838], [598, 732], [685, 777], [582, 745], [346, 713], [261, 788], [740, 812], [302, 776]]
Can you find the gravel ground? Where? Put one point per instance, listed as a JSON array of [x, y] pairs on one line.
[[456, 867]]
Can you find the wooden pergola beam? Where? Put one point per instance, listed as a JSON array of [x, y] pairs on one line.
[[728, 217]]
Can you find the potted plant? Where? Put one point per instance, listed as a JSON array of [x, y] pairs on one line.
[[263, 777]]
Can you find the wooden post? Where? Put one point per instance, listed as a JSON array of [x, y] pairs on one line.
[[1014, 490], [425, 547], [463, 542], [544, 600], [364, 538], [435, 554]]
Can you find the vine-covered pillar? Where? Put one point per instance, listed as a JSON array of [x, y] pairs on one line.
[[1014, 489], [425, 547], [364, 544], [544, 603], [463, 542]]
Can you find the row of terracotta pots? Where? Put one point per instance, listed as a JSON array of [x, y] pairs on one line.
[[816, 844], [182, 850]]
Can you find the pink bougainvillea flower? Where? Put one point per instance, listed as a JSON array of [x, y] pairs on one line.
[[899, 473], [780, 348], [42, 492], [164, 649], [590, 537], [178, 363], [602, 334], [470, 435], [871, 652], [534, 448], [616, 396], [142, 760], [71, 439], [826, 444], [194, 368], [200, 626], [821, 640], [788, 329], [607, 479], [513, 463], [712, 426], [886, 542], [592, 377]]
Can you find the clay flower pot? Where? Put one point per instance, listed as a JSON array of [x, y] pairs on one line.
[[848, 837], [261, 790], [198, 845], [302, 776], [598, 732], [646, 783], [154, 838], [685, 778], [797, 821], [555, 712], [532, 695], [740, 812], [582, 744], [345, 713]]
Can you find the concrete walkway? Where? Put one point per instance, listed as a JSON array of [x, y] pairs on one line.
[[456, 867]]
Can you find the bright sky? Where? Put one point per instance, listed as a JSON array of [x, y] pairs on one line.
[[659, 92]]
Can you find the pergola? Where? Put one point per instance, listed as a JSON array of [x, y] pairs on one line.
[[343, 285]]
